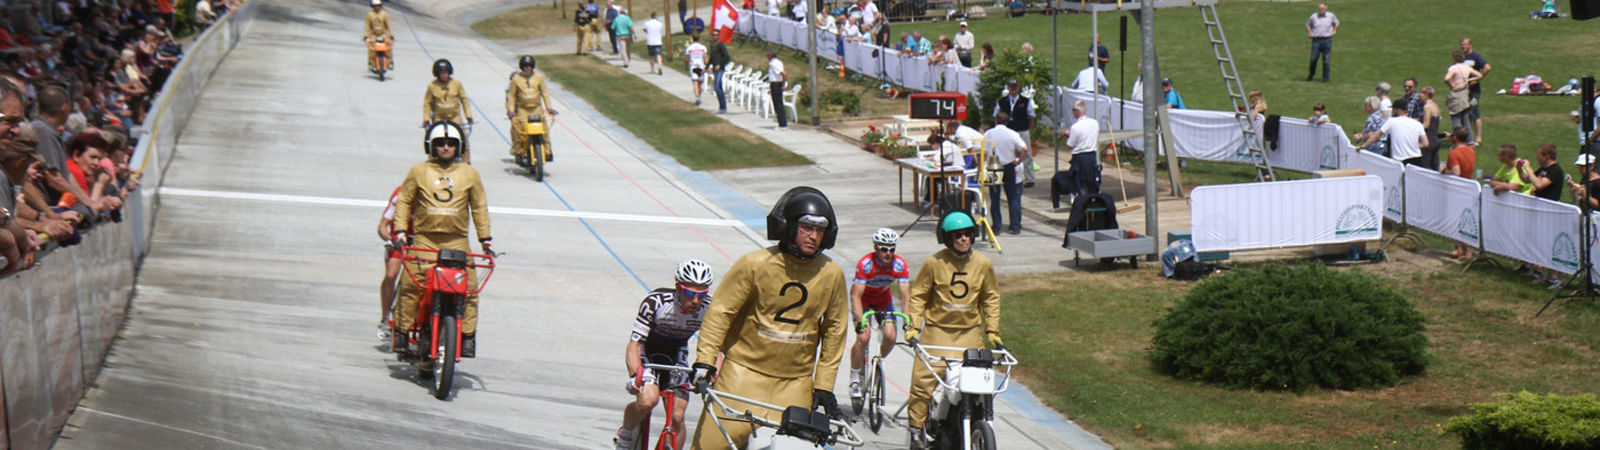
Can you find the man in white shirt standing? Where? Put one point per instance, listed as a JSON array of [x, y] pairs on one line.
[[654, 30], [776, 78], [1091, 79], [695, 57], [1007, 148], [1082, 137], [965, 41], [1406, 137]]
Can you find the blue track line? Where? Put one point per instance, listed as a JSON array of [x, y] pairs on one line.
[[546, 184]]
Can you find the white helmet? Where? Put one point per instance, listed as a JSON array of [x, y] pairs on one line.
[[693, 271], [441, 131], [377, 2], [885, 236]]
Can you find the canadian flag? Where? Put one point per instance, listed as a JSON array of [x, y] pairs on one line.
[[723, 20]]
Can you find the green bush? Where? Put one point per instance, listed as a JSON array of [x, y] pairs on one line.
[[1290, 327], [1530, 421], [183, 14], [848, 100], [1028, 72]]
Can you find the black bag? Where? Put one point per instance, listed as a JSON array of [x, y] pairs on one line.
[[1190, 270]]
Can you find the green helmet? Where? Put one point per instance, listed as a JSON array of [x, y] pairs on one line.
[[952, 222]]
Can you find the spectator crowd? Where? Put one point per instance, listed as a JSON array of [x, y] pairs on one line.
[[79, 76]]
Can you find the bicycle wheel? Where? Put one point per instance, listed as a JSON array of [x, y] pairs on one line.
[[445, 364], [875, 397]]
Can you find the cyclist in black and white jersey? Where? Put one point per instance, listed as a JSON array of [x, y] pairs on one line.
[[667, 318]]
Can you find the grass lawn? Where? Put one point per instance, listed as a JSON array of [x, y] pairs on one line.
[[1083, 337], [696, 138], [529, 22], [1379, 40]]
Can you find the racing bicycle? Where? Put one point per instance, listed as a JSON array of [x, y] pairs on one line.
[[668, 440], [873, 397]]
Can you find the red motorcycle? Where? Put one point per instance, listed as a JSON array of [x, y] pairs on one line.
[[434, 339]]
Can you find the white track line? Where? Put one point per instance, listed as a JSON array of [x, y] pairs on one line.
[[313, 200]]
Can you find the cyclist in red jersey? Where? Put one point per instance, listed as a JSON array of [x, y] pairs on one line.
[[870, 290], [391, 270]]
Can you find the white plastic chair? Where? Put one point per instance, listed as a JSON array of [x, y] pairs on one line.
[[790, 97]]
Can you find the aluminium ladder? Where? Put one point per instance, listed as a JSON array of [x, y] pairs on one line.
[[1236, 92]]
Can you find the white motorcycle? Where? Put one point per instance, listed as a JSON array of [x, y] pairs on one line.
[[800, 428], [962, 406]]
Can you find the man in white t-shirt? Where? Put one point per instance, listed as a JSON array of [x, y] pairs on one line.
[[776, 78], [773, 8], [1083, 137], [1007, 148], [695, 56], [654, 30], [869, 16], [1091, 79], [1406, 137], [965, 42]]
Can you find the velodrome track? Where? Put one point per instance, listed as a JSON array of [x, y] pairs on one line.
[[253, 325]]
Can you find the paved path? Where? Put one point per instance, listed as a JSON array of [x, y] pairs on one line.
[[253, 325]]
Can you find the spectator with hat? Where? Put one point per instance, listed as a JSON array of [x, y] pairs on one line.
[[965, 42]]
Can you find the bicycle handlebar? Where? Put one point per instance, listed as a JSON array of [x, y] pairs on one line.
[[842, 433], [870, 313]]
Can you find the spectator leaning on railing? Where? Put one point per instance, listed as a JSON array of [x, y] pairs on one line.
[[1508, 178], [16, 246]]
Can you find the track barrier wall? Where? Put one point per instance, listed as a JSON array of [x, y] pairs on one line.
[[58, 319]]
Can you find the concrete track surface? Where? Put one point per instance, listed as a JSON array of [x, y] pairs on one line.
[[253, 325]]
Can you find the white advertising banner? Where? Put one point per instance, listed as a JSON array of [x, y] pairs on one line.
[[1287, 213], [1531, 229], [1306, 147], [1208, 135], [1443, 204], [1393, 175]]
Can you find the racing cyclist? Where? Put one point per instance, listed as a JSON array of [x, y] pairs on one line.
[[667, 319], [443, 201], [870, 291], [392, 260]]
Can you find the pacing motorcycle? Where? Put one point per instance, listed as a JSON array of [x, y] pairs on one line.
[[381, 62], [962, 405], [799, 428], [538, 139], [434, 339]]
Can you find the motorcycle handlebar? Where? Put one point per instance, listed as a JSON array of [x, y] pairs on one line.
[[407, 256], [842, 433]]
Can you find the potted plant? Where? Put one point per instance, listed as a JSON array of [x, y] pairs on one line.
[[871, 139]]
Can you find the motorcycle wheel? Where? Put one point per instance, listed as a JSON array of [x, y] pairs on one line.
[[537, 155], [982, 436], [875, 400], [445, 365]]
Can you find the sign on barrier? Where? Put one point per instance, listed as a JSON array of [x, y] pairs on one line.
[[1444, 204], [1393, 175], [1288, 213], [1531, 229]]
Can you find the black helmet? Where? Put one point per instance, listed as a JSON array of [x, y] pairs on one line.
[[526, 62], [441, 132], [784, 219], [442, 65]]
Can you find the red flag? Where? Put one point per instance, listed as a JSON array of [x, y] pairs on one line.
[[723, 20]]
